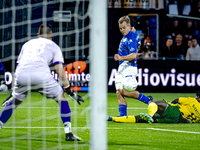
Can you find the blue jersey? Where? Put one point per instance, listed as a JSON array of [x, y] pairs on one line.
[[129, 44]]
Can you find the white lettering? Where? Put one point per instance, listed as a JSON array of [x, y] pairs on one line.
[[146, 77], [198, 80], [173, 71], [83, 76], [112, 77], [87, 77], [139, 77], [164, 79], [157, 79], [180, 77], [8, 78], [188, 83]]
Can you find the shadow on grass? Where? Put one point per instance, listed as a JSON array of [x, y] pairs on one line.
[[56, 141]]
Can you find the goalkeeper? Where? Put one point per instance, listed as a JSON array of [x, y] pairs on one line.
[[180, 110], [33, 73]]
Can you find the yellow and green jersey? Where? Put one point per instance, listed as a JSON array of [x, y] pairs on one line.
[[190, 108]]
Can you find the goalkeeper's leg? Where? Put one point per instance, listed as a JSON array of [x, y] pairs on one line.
[[65, 114], [10, 98], [8, 111]]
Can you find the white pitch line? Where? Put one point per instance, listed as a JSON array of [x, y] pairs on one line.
[[107, 128], [173, 130]]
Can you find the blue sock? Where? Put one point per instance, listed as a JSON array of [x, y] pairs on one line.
[[65, 111], [109, 118], [122, 110], [143, 98], [7, 112]]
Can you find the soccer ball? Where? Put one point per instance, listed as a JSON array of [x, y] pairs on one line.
[[129, 84]]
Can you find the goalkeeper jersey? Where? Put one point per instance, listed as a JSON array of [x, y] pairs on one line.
[[190, 108], [37, 54]]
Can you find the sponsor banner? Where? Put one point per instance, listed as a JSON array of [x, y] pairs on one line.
[[164, 76], [62, 16], [153, 75]]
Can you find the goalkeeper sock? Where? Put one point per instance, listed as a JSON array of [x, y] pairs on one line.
[[65, 114], [67, 127], [122, 110], [1, 125], [143, 98], [130, 119], [65, 111], [152, 108], [7, 112]]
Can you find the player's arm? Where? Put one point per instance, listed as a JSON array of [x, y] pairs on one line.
[[65, 83], [61, 74], [128, 57], [175, 101]]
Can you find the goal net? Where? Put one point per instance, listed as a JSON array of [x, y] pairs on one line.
[[37, 120]]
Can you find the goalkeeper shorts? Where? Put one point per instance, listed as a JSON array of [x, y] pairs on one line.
[[43, 83]]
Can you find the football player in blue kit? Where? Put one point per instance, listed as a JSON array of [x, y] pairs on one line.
[[127, 57]]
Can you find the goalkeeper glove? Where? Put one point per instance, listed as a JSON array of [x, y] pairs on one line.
[[73, 95]]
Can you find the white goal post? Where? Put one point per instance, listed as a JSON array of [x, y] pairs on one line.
[[78, 25], [98, 70]]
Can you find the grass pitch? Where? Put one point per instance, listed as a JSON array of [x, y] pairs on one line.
[[36, 125]]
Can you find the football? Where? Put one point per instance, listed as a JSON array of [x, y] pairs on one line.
[[129, 84]]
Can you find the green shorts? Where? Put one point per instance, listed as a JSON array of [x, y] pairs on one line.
[[170, 115]]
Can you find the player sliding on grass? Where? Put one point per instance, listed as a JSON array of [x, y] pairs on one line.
[[33, 73], [180, 110], [127, 57]]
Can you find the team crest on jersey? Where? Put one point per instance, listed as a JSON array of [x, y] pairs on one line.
[[124, 39]]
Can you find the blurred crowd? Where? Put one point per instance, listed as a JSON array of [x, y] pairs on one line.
[[182, 40]]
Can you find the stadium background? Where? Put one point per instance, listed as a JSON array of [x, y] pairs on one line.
[[150, 17]]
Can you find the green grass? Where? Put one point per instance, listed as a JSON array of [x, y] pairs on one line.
[[45, 123]]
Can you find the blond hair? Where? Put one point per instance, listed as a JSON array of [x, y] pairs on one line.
[[124, 19]]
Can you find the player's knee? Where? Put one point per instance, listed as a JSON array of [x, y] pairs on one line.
[[132, 94], [118, 92], [63, 97], [16, 101]]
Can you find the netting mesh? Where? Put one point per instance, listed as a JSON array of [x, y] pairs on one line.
[[19, 22]]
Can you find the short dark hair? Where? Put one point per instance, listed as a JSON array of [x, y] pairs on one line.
[[42, 28], [194, 37]]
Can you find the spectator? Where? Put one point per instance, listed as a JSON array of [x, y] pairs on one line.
[[179, 49], [188, 30], [174, 29], [168, 47], [148, 48], [189, 43], [193, 53]]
